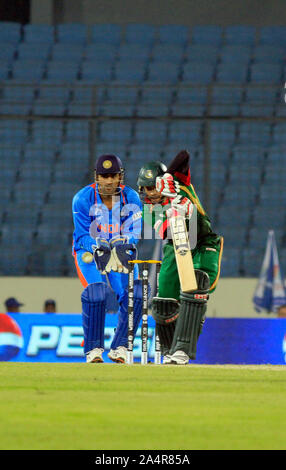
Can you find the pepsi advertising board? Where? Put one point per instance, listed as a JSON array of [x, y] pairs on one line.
[[58, 338]]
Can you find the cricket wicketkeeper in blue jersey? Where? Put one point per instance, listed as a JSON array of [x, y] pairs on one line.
[[107, 225]]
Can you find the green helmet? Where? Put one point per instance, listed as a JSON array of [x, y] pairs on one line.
[[148, 174]]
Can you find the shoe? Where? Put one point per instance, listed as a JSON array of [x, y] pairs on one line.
[[179, 358], [121, 353], [112, 355], [95, 355], [167, 359]]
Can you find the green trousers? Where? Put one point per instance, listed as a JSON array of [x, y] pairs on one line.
[[205, 258]]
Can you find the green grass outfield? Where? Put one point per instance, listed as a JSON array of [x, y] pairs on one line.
[[112, 406]]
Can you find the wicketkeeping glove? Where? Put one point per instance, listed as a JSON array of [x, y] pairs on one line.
[[122, 253], [167, 186], [102, 255]]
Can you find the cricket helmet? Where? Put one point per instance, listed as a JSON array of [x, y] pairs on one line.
[[148, 174]]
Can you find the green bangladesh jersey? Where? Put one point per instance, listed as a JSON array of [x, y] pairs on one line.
[[158, 219]]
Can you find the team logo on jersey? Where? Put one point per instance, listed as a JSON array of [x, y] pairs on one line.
[[107, 164], [11, 338]]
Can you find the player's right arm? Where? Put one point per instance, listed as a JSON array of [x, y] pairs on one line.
[[82, 221]]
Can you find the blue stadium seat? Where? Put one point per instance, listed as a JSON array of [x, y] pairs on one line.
[[136, 52], [47, 131], [18, 93], [261, 94], [77, 108], [20, 215], [28, 70], [25, 194], [77, 130], [7, 52], [98, 53], [185, 132], [34, 152], [13, 131], [39, 33], [106, 33], [167, 53], [273, 35], [240, 34], [242, 54], [13, 265], [68, 72], [10, 32], [130, 72], [72, 33], [9, 108], [154, 110], [34, 51], [5, 69], [163, 72], [231, 72], [244, 173], [226, 218], [190, 101], [207, 34], [279, 133], [33, 170], [115, 131], [254, 133], [157, 94], [96, 72], [122, 94], [198, 73], [187, 109], [268, 73], [230, 262], [201, 53], [155, 131], [140, 33], [75, 151], [51, 236], [248, 153], [276, 154], [144, 151], [64, 52], [117, 148], [227, 94], [84, 93], [65, 172], [268, 54], [47, 107], [257, 109], [57, 92], [173, 34], [117, 109], [59, 188], [264, 220]]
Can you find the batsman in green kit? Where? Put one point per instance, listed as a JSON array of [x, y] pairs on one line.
[[179, 315]]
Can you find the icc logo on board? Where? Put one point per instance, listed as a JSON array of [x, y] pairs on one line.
[[11, 338]]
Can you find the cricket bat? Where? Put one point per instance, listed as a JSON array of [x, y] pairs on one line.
[[183, 252], [179, 232]]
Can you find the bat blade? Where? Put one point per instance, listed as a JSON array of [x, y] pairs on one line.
[[183, 253]]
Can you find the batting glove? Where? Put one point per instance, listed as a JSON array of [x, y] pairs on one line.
[[167, 186], [181, 206]]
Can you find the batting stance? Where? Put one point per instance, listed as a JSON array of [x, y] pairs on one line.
[[179, 315], [107, 225]]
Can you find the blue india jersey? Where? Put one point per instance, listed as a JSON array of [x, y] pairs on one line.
[[93, 219]]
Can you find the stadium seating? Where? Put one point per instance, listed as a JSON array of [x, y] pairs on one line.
[[150, 90]]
